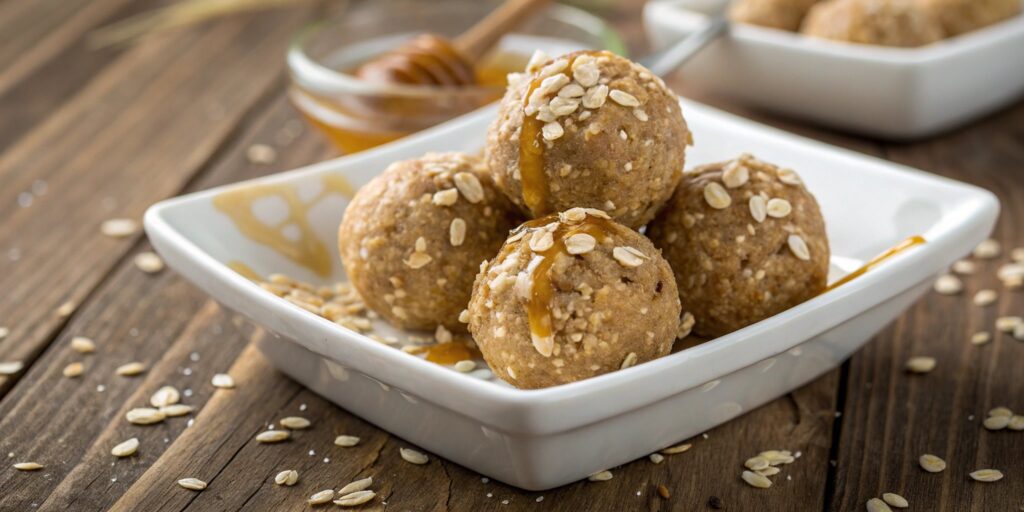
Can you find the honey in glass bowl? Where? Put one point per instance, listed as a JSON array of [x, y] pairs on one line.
[[356, 115]]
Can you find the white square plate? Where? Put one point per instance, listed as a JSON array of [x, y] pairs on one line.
[[872, 90], [538, 439]]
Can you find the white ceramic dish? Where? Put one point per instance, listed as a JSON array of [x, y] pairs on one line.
[[544, 438], [877, 91]]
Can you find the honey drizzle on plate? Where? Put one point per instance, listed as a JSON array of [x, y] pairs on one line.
[[538, 309], [449, 352], [308, 251], [889, 253]]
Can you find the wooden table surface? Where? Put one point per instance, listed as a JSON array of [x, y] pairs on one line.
[[90, 134]]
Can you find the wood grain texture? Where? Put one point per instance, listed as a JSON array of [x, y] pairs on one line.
[[140, 131]]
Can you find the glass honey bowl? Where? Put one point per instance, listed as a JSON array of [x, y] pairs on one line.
[[355, 114]]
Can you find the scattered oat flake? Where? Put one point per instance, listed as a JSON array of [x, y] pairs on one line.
[[628, 361], [964, 267], [469, 186], [600, 476], [346, 441], [119, 228], [1008, 323], [65, 309], [895, 500], [988, 249], [295, 423], [73, 370], [261, 154], [28, 466], [167, 395], [355, 498], [932, 463], [756, 463], [877, 505], [981, 338], [985, 297], [1000, 411], [356, 486], [656, 458], [273, 436], [679, 448], [948, 284], [663, 492], [131, 369], [223, 381], [83, 345], [987, 475], [465, 366], [321, 497], [996, 422], [11, 367], [4, 331], [126, 449], [756, 480], [149, 262], [1016, 423], [145, 416], [175, 410], [413, 456], [287, 477], [920, 364], [192, 484]]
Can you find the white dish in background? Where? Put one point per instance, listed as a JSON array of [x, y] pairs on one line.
[[538, 439], [872, 90]]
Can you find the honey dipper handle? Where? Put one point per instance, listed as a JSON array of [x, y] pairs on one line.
[[476, 41]]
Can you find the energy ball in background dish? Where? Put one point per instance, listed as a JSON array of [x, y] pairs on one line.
[[588, 129], [413, 237], [781, 14], [746, 241], [878, 22], [571, 296], [959, 16]]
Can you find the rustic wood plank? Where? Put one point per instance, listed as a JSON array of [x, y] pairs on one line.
[[140, 131], [160, 320], [891, 418]]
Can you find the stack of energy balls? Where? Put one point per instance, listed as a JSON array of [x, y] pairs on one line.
[[588, 149]]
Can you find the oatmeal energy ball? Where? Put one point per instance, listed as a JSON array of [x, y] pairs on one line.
[[781, 14], [571, 296], [413, 237], [959, 16], [879, 22], [588, 129], [746, 241]]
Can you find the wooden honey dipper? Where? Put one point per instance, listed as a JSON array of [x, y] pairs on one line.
[[430, 59]]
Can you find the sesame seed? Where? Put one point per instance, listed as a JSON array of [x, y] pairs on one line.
[[778, 208], [149, 262], [756, 480], [295, 423], [988, 249], [716, 196], [931, 463], [223, 381], [987, 475], [418, 260], [83, 345], [272, 436], [413, 456], [287, 477], [457, 232], [355, 498], [131, 369], [895, 500], [125, 449], [144, 416], [73, 370], [600, 476], [920, 364], [798, 247], [321, 497], [346, 441], [119, 228], [640, 114], [663, 492], [948, 284]]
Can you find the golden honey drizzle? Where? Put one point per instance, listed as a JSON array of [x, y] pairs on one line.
[[889, 253], [308, 250], [531, 152], [538, 310], [244, 270], [449, 352]]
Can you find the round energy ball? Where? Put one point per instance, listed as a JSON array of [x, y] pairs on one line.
[[571, 296], [781, 14], [592, 130], [746, 241], [879, 22], [413, 237], [959, 16]]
